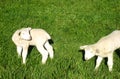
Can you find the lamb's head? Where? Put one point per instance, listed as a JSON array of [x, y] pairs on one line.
[[25, 34], [89, 52]]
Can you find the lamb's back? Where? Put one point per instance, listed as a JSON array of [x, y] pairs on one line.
[[39, 33], [110, 42]]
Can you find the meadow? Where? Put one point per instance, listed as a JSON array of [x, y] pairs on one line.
[[71, 23]]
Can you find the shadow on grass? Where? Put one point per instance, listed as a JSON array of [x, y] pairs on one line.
[[83, 54], [118, 52], [51, 41], [30, 49]]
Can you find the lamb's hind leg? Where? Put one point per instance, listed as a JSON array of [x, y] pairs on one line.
[[44, 53], [49, 48]]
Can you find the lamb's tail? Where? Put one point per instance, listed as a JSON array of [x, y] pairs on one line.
[[49, 39]]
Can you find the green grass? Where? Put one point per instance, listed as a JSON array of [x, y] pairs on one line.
[[71, 23]]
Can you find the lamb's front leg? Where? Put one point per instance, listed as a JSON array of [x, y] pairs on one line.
[[98, 62], [19, 50], [110, 62], [24, 53]]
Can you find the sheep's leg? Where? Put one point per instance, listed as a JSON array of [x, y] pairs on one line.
[[110, 62], [24, 54], [44, 53], [49, 48], [98, 62], [19, 50]]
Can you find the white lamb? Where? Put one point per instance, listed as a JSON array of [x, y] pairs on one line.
[[25, 37], [103, 48]]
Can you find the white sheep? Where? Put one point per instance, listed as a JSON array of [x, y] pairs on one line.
[[103, 48], [25, 37]]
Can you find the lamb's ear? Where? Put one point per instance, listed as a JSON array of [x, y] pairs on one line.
[[97, 51], [18, 32], [83, 47]]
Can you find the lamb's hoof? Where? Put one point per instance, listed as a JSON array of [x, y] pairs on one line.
[[51, 58], [96, 69], [24, 62], [43, 62], [110, 70]]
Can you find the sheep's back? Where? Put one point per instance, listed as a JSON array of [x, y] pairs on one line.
[[39, 35], [110, 42]]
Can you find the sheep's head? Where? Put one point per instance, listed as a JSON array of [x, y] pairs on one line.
[[89, 52], [25, 34]]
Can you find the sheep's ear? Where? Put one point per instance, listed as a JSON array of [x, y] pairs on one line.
[[83, 47], [18, 32], [97, 51]]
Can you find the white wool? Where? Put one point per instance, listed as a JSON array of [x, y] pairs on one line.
[[39, 38]]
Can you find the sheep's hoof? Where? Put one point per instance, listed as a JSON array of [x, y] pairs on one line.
[[43, 62], [51, 58], [96, 69], [24, 62], [110, 70]]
